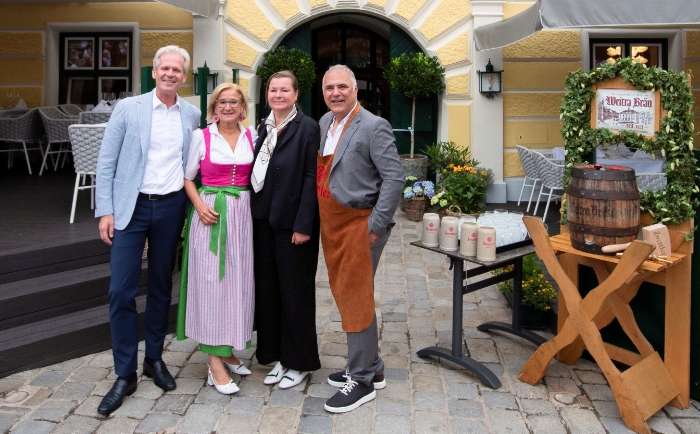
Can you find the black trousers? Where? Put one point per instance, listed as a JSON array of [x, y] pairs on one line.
[[285, 297]]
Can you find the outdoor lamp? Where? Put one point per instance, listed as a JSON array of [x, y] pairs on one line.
[[212, 78], [489, 81]]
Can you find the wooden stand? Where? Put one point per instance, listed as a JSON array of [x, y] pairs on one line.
[[649, 383]]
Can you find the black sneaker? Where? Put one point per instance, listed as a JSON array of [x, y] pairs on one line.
[[338, 379], [350, 396]]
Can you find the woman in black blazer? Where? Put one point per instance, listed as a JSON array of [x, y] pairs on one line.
[[285, 235]]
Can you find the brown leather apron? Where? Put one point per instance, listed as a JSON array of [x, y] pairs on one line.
[[345, 241]]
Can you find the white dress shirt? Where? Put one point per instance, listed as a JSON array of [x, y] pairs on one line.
[[332, 139], [220, 151], [164, 173]]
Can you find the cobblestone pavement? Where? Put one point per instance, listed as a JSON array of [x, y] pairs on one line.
[[414, 309]]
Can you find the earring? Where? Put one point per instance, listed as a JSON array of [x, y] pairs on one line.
[[241, 117], [215, 118]]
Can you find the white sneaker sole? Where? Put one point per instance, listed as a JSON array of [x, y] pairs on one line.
[[364, 399], [377, 386]]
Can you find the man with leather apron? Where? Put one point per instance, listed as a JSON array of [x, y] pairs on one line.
[[359, 182]]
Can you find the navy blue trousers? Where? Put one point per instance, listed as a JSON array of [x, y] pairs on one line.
[[159, 221]]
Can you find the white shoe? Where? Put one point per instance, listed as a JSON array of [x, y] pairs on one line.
[[292, 378], [237, 369], [226, 389], [275, 376]]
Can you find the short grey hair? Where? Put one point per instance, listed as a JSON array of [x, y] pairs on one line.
[[172, 49], [341, 68]]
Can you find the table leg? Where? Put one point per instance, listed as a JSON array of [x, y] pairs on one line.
[[455, 354], [514, 327]]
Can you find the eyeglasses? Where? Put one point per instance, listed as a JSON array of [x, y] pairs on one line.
[[232, 102]]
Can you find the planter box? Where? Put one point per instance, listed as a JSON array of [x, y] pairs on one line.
[[532, 318]]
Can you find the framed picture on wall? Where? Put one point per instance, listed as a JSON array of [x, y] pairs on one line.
[[109, 88], [79, 53], [114, 53]]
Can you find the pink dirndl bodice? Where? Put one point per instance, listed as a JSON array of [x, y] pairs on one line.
[[224, 175]]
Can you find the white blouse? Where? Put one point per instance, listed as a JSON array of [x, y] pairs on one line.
[[220, 151]]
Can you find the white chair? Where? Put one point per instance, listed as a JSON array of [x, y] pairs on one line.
[[56, 125], [21, 130], [552, 177], [94, 117], [532, 178], [85, 141], [651, 181]]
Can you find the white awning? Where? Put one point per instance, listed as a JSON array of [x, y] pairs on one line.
[[554, 14], [205, 8]]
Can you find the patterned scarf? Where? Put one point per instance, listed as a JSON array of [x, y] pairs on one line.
[[268, 147]]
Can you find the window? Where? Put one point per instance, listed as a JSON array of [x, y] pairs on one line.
[[651, 52], [93, 63]]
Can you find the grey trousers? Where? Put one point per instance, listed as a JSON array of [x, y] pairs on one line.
[[363, 347]]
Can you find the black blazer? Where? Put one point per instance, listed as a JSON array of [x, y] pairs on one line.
[[292, 176]]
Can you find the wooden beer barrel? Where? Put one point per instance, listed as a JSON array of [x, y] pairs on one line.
[[602, 206]]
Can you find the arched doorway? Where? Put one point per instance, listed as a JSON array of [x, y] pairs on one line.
[[366, 44], [365, 52]]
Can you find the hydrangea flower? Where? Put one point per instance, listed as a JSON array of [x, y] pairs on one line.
[[408, 193]]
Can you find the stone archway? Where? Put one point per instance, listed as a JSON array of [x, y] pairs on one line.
[[437, 28]]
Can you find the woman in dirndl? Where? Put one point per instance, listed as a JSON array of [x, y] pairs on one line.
[[217, 289]]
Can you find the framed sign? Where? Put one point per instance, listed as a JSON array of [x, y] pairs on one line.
[[112, 85], [78, 53], [619, 106], [114, 53]]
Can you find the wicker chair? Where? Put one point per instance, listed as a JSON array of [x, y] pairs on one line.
[[94, 117], [70, 109], [552, 177], [24, 129], [651, 181], [85, 141], [532, 177], [56, 125]]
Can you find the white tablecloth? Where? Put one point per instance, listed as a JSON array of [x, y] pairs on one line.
[[640, 165]]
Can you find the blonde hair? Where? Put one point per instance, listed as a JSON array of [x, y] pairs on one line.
[[215, 95]]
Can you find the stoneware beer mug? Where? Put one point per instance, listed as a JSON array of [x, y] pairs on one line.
[[486, 244], [448, 234], [431, 230], [467, 244]]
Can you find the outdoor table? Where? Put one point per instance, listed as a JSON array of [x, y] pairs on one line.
[[511, 254]]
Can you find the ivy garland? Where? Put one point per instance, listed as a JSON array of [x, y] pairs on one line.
[[674, 139]]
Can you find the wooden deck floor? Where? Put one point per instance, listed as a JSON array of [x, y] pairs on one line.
[[35, 210]]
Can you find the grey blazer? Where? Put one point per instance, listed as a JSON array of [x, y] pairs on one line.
[[122, 160], [366, 171]]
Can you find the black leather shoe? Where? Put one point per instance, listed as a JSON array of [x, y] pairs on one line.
[[114, 398], [160, 374]]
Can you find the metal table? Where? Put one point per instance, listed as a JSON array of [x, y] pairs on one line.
[[511, 254]]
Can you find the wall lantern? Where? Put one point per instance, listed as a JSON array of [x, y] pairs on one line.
[[489, 81], [212, 79]]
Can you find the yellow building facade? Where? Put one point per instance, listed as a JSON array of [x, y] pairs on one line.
[[526, 112]]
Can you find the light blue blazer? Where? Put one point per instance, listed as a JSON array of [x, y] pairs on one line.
[[122, 160]]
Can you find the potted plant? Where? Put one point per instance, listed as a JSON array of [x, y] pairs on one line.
[[466, 186], [281, 59], [414, 75], [537, 292], [442, 154], [416, 199]]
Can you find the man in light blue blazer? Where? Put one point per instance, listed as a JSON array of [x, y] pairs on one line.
[[139, 196]]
